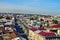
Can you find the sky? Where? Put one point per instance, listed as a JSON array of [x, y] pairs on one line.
[[48, 7]]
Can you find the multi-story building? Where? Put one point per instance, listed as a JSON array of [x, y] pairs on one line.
[[35, 32]]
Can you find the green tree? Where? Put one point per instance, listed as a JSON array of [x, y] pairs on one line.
[[55, 21]]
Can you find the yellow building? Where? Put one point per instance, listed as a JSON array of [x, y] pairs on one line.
[[35, 36]]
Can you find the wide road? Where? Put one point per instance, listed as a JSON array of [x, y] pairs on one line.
[[18, 29]]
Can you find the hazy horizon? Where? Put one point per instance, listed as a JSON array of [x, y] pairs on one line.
[[49, 7]]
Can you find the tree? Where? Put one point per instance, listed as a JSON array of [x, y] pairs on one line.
[[55, 21], [1, 17], [41, 20], [7, 17]]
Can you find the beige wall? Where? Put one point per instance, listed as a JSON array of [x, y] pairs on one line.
[[35, 36], [58, 31]]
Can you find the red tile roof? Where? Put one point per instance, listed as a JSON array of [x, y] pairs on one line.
[[42, 28], [47, 34], [42, 33], [54, 26], [33, 29], [13, 35], [50, 35]]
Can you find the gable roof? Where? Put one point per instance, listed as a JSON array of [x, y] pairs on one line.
[[54, 26]]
